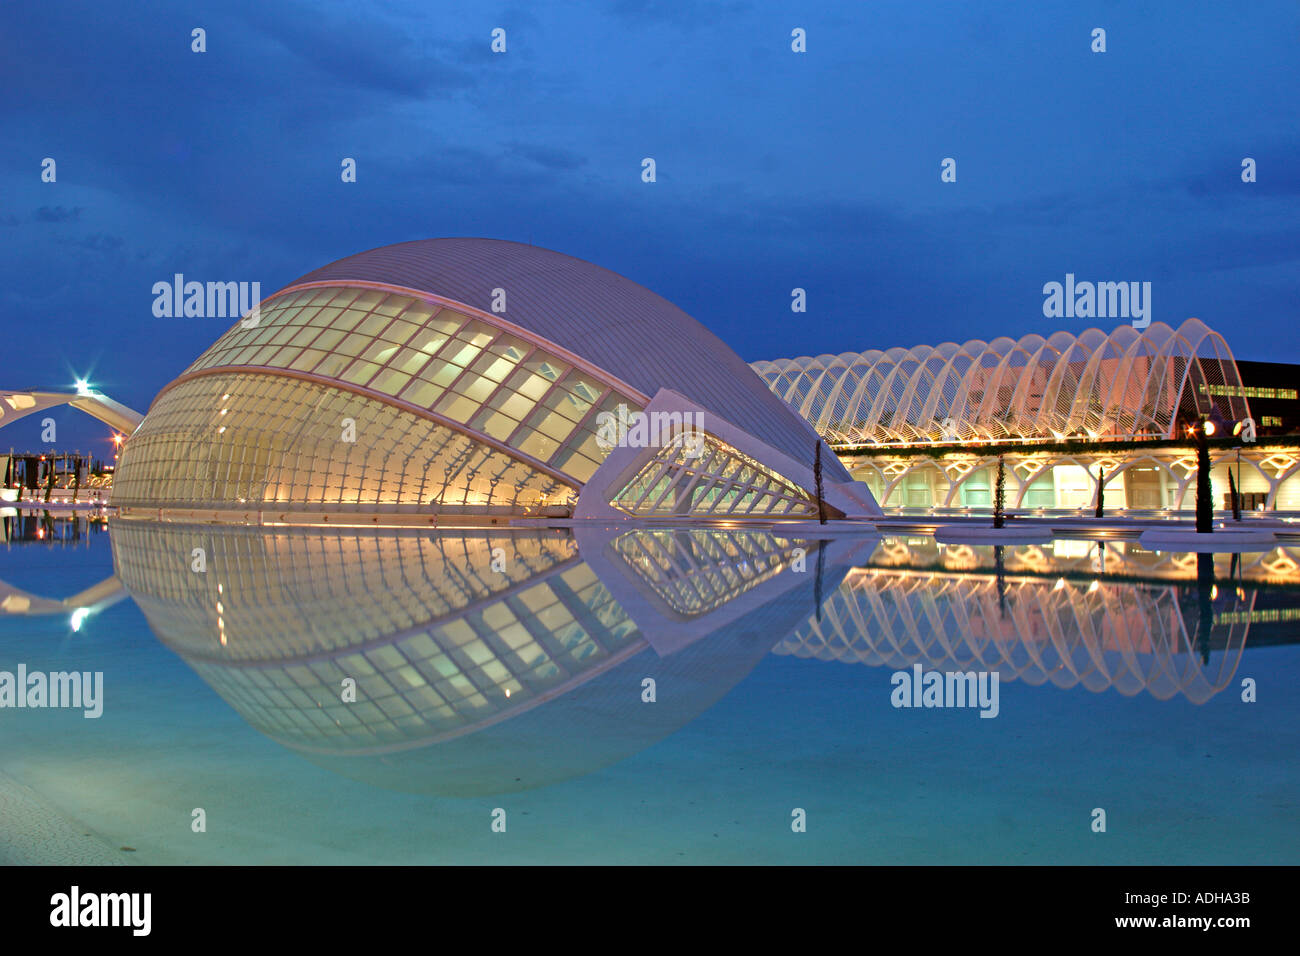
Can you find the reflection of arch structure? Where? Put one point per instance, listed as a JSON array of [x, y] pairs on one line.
[[98, 597], [18, 404], [1129, 384], [1105, 635]]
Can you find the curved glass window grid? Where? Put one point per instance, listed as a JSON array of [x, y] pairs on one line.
[[416, 678], [454, 365], [455, 673], [233, 439], [299, 592], [720, 481], [694, 572]]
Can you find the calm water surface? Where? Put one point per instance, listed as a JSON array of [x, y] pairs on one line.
[[505, 675]]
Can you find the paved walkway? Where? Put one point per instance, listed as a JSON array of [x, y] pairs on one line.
[[33, 832]]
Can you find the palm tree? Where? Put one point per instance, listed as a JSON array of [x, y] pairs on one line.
[[1204, 503], [817, 477], [999, 495]]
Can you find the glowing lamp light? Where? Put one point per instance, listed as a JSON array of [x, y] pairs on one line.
[[82, 386], [78, 616], [1209, 427]]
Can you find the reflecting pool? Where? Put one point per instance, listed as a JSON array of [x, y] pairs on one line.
[[363, 695]]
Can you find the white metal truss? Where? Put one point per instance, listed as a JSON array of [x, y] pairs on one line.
[[1127, 385]]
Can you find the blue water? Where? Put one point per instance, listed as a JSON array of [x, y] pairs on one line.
[[1180, 782]]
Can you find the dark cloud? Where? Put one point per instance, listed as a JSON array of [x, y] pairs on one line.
[[100, 242], [551, 157], [57, 214], [363, 50]]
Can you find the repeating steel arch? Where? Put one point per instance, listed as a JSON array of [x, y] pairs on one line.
[[1125, 385], [1100, 637]]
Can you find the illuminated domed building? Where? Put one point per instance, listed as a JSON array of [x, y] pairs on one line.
[[474, 377]]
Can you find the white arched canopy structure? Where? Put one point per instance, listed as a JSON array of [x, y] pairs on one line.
[[19, 404], [1125, 385]]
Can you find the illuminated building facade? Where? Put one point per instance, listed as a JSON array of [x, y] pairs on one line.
[[924, 427], [471, 377]]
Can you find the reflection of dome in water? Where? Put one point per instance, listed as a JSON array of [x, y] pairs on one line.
[[468, 680], [470, 376]]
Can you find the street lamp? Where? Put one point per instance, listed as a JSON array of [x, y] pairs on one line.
[[1237, 431]]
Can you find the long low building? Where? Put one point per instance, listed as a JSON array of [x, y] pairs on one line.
[[1070, 416]]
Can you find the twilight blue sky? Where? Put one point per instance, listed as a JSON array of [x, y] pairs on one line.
[[775, 169]]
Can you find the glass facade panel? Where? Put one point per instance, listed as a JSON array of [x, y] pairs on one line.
[[281, 445], [465, 369], [675, 483]]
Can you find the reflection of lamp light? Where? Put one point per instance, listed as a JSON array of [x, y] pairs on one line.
[[78, 616]]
